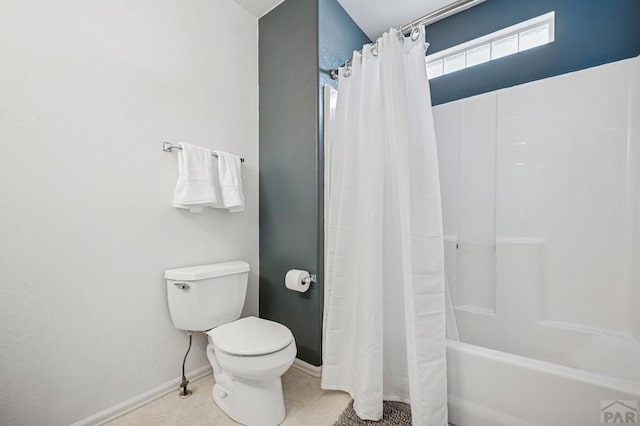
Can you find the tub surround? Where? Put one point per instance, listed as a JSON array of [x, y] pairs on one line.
[[539, 193], [634, 91], [537, 236]]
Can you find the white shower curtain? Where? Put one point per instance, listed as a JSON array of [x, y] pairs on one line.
[[384, 325]]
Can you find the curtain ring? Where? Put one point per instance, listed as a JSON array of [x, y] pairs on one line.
[[415, 33], [374, 49], [400, 36], [347, 68]]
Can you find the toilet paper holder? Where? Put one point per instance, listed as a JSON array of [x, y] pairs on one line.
[[310, 279]]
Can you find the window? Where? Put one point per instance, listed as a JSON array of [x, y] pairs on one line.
[[516, 38]]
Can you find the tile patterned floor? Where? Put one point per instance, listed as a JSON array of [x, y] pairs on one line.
[[306, 403]]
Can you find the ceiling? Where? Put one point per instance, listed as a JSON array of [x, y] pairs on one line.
[[258, 7], [373, 16], [377, 16]]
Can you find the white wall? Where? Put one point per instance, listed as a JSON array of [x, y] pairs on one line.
[[88, 91]]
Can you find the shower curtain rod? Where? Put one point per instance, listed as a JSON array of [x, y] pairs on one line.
[[430, 18]]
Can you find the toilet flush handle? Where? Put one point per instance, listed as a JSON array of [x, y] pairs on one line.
[[182, 286]]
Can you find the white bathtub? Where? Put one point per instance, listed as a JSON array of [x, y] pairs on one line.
[[492, 388]]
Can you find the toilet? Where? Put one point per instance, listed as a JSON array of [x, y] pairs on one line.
[[248, 355]]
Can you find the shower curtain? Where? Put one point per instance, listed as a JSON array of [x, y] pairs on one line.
[[384, 318]]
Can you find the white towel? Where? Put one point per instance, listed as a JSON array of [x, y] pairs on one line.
[[194, 188], [230, 177]]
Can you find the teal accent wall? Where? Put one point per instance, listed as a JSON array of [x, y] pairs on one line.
[[288, 186], [587, 33], [338, 37], [296, 40]]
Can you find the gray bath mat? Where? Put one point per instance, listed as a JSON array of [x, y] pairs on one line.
[[393, 414]]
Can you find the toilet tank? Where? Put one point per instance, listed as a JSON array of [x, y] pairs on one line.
[[206, 296]]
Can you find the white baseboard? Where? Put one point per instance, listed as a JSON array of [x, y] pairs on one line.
[[141, 399], [144, 398], [307, 368]]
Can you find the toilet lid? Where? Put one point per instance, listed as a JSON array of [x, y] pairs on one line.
[[251, 336]]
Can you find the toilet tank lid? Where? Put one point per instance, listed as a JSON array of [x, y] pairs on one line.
[[203, 272]]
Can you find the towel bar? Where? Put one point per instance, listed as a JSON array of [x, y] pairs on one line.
[[167, 147]]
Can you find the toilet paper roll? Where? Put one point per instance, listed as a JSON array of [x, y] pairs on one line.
[[297, 280]]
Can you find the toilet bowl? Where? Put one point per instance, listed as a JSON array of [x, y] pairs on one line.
[[248, 357]]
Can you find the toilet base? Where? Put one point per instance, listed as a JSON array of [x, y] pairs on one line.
[[248, 389], [252, 403]]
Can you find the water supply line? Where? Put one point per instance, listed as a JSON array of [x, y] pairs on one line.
[[184, 392]]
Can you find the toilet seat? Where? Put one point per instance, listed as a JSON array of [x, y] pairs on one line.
[[251, 336]]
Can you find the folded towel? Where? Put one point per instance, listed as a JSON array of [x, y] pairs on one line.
[[230, 177], [194, 188]]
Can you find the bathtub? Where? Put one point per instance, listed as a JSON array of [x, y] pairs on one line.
[[493, 388]]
